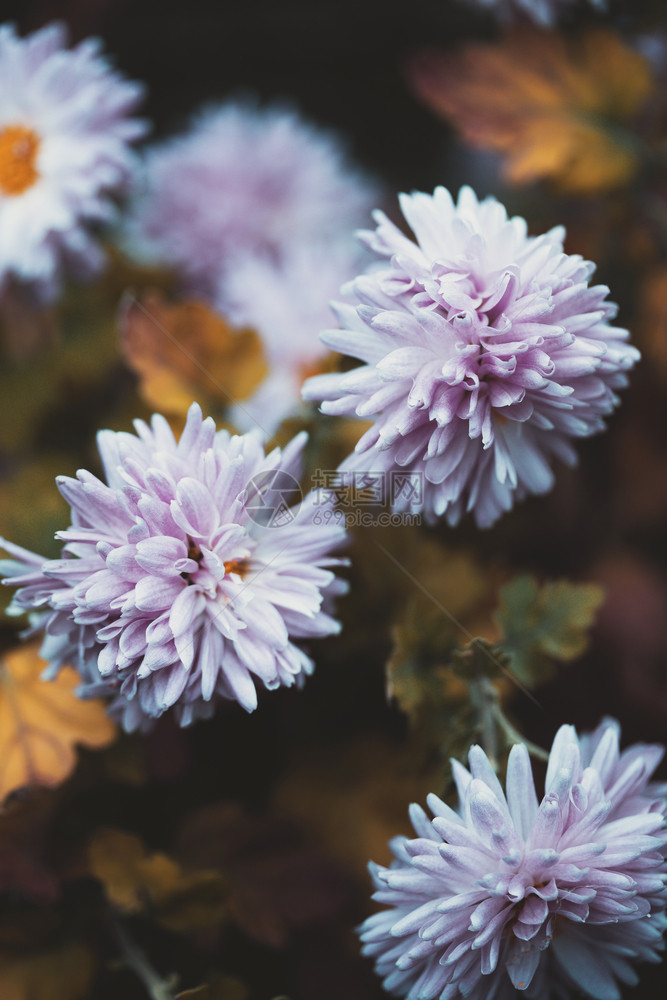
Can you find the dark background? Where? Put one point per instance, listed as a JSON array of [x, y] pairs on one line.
[[342, 63]]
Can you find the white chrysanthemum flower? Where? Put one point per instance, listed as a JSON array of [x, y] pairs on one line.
[[64, 149]]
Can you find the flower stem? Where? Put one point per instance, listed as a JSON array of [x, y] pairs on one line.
[[134, 958], [493, 723], [485, 701]]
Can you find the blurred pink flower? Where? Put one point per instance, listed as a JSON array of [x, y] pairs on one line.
[[244, 181]]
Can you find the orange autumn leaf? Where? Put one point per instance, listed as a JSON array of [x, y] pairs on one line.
[[185, 352], [42, 721], [554, 108]]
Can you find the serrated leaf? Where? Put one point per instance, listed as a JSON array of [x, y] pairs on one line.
[[543, 623]]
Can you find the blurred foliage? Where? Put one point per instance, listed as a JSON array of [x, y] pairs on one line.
[[369, 783], [135, 881], [62, 974], [277, 882], [652, 320], [423, 674], [222, 988], [556, 109], [453, 686], [185, 351]]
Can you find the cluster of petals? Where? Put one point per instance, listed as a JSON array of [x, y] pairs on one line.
[[485, 352], [508, 893], [65, 152], [170, 590]]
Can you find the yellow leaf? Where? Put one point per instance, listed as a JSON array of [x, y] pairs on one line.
[[42, 721], [64, 974], [133, 880], [556, 110], [185, 351]]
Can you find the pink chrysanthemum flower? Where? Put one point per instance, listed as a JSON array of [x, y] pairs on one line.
[[64, 151], [244, 181], [551, 898], [542, 12], [188, 576], [486, 352]]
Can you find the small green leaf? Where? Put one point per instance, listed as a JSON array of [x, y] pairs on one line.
[[543, 623]]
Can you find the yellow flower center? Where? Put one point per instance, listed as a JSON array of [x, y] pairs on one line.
[[18, 153], [238, 566]]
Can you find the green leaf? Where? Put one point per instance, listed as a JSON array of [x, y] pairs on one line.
[[545, 623]]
